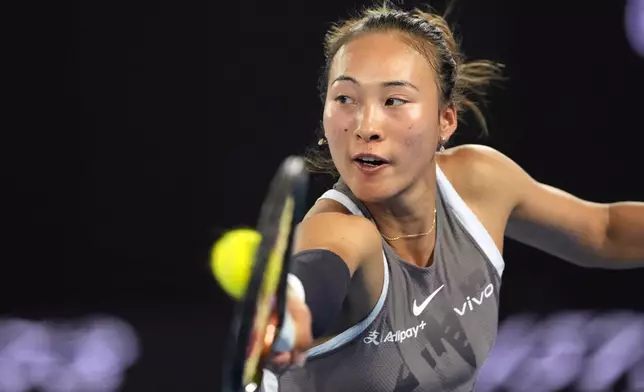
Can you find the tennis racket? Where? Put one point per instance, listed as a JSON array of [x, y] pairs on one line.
[[262, 309]]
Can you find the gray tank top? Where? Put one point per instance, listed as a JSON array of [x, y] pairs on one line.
[[431, 329]]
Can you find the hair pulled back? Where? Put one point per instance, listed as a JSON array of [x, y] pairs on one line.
[[428, 33]]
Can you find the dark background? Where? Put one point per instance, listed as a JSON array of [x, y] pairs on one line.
[[136, 133]]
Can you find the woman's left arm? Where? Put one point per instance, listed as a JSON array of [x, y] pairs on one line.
[[598, 235]]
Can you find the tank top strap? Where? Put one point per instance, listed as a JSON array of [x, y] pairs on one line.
[[343, 195]]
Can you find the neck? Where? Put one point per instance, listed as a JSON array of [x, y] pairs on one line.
[[410, 212]]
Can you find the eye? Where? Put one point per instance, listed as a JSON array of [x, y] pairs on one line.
[[394, 102], [343, 99]]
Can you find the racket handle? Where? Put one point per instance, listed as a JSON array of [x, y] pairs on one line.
[[286, 339]]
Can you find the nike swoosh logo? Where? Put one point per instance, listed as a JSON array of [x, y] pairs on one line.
[[417, 310]]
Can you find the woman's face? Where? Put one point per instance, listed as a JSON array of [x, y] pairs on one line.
[[382, 105]]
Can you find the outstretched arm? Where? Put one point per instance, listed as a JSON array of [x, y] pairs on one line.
[[582, 232]]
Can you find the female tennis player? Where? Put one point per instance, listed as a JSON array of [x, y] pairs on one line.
[[400, 263]]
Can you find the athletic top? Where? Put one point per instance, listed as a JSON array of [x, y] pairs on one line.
[[431, 329]]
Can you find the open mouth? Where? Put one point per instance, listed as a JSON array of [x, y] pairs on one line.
[[370, 162]]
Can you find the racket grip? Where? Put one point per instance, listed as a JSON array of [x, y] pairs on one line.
[[286, 339]]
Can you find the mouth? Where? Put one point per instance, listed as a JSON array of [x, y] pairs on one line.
[[369, 161]]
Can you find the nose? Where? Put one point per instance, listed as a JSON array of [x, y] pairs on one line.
[[369, 124]]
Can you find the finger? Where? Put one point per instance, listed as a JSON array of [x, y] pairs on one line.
[[282, 359]]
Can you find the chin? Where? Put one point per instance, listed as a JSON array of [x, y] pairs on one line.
[[372, 192]]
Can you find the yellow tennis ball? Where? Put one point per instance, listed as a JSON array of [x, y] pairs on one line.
[[232, 258]]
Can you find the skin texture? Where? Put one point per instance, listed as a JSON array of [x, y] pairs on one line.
[[383, 99], [390, 107]]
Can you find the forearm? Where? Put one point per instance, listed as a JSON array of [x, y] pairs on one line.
[[323, 279], [624, 242]]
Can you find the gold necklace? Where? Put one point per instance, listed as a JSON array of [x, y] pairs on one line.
[[412, 235]]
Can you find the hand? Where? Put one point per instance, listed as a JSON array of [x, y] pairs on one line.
[[301, 317]]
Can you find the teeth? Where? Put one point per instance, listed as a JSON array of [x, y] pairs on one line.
[[368, 159]]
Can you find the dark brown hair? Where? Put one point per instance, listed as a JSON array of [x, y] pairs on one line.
[[430, 35]]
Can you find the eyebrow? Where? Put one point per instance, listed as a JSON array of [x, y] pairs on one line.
[[391, 83]]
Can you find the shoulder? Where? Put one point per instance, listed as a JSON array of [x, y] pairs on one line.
[[482, 171], [474, 160], [329, 225]]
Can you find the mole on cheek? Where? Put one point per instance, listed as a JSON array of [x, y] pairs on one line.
[[345, 129]]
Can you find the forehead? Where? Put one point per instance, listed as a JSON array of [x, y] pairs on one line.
[[375, 57]]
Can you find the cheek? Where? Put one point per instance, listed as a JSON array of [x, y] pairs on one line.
[[420, 128], [334, 126], [418, 142], [335, 121]]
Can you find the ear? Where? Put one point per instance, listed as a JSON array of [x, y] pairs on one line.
[[448, 121]]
